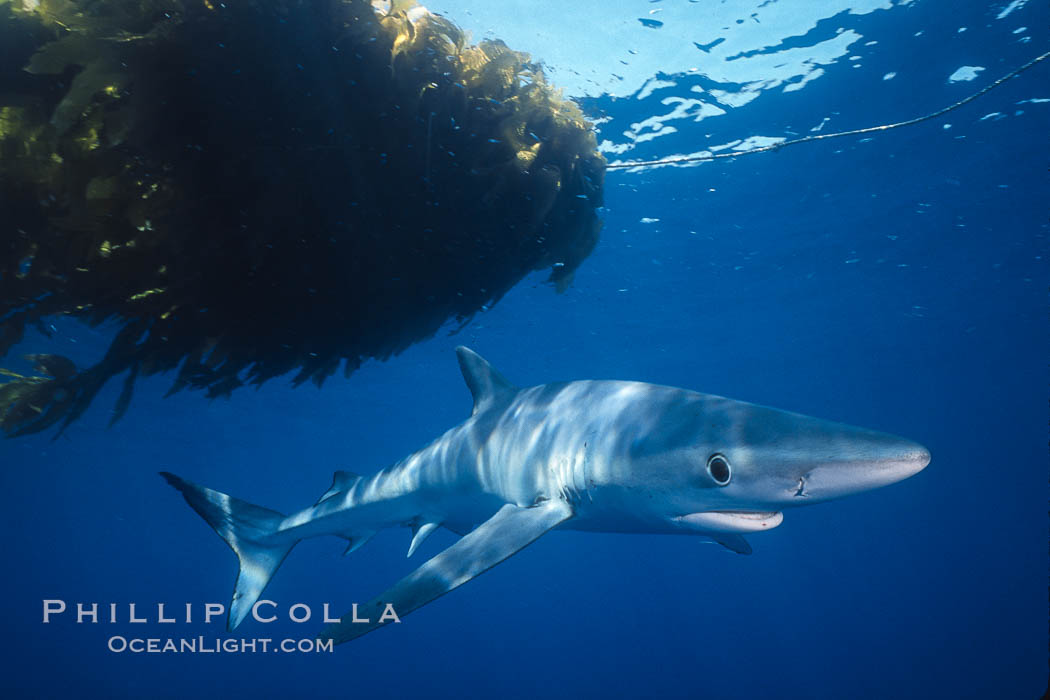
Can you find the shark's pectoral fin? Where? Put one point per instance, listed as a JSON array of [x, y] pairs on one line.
[[508, 531], [732, 541]]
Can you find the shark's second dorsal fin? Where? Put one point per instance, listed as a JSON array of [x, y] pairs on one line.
[[485, 383], [341, 481]]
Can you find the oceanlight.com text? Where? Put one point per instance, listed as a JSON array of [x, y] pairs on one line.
[[215, 645]]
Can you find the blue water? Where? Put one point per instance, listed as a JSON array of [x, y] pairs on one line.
[[897, 283]]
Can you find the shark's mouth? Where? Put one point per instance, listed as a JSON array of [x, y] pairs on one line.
[[741, 521]]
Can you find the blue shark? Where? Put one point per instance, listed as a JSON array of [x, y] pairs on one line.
[[605, 456]]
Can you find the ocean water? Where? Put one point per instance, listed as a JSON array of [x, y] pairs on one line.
[[895, 280]]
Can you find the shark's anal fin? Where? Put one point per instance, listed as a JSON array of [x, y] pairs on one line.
[[357, 541], [508, 531]]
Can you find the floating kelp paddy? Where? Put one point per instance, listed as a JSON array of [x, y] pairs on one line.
[[259, 188]]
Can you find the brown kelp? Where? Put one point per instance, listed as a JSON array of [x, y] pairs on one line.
[[260, 187]]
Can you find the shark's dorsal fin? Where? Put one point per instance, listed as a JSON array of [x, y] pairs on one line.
[[485, 383]]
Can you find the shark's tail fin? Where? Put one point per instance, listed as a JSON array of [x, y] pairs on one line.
[[249, 530]]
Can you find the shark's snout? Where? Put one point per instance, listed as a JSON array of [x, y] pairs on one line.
[[875, 463]]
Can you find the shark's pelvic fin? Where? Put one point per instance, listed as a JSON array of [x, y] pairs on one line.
[[459, 527], [420, 533], [508, 531], [249, 530], [486, 385], [341, 481]]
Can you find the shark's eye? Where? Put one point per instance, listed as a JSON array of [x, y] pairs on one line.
[[719, 469]]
